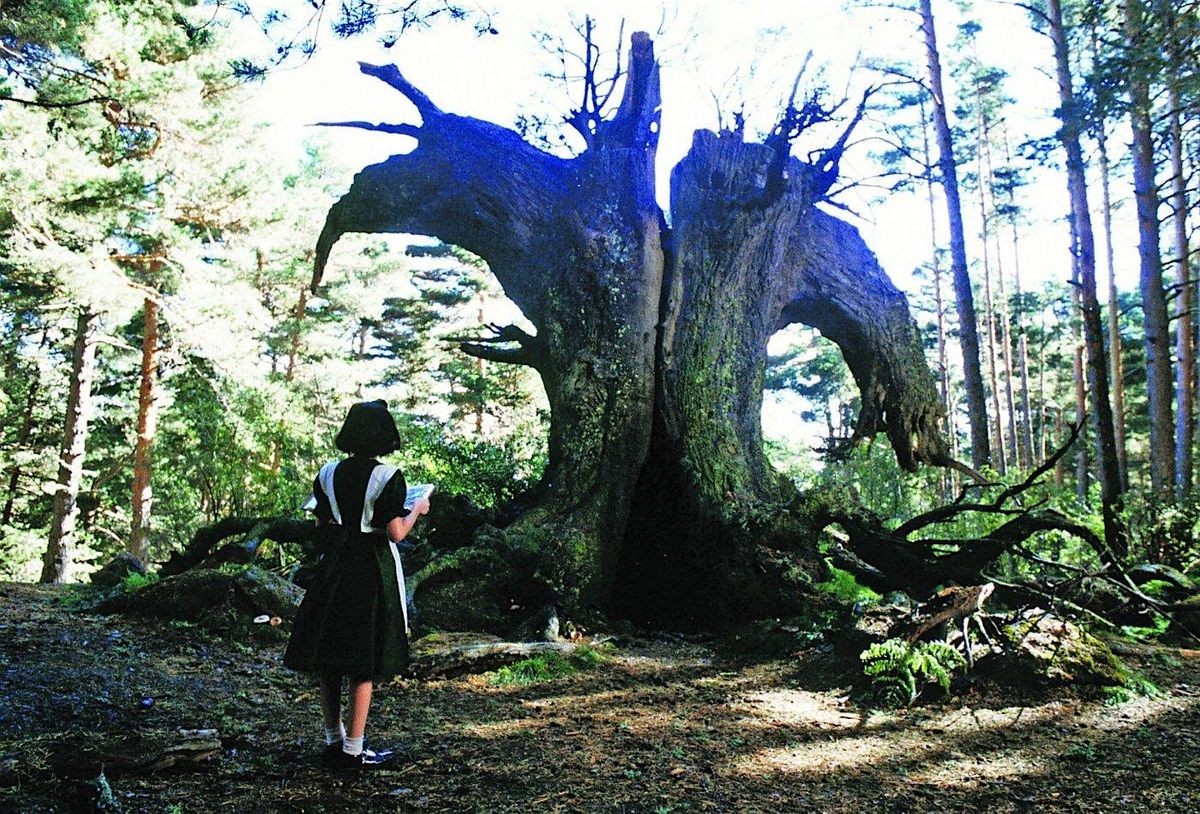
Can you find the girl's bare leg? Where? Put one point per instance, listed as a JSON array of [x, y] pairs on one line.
[[360, 704]]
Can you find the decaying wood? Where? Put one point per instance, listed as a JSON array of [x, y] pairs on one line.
[[947, 606]]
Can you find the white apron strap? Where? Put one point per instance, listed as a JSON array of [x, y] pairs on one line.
[[375, 486], [325, 479]]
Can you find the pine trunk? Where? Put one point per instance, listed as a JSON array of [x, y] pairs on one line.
[[147, 427], [1185, 350], [1000, 458], [976, 398], [1004, 334], [1116, 360], [1159, 375], [1097, 365], [1031, 453], [935, 265], [56, 563]]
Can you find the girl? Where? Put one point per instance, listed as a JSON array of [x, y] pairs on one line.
[[352, 624]]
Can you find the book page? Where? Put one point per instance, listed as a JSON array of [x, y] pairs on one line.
[[416, 492]]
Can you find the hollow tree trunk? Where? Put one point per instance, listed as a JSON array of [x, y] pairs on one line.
[[657, 500], [707, 538], [57, 560]]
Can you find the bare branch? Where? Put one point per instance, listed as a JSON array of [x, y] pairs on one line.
[[944, 513], [391, 76]]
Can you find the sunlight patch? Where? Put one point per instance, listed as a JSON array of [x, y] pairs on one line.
[[498, 730], [798, 708], [818, 757]]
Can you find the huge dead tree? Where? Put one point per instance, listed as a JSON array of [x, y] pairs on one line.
[[657, 501]]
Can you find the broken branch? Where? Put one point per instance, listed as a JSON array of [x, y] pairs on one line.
[[390, 75]]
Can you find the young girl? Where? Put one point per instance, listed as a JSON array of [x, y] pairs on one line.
[[352, 624]]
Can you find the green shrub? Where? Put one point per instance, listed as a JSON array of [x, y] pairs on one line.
[[1135, 685], [844, 586], [900, 671]]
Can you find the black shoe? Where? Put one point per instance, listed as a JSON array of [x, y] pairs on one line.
[[341, 762]]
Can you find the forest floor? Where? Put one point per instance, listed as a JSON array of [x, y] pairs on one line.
[[660, 725]]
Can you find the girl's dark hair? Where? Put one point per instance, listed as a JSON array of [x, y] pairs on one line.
[[369, 429]]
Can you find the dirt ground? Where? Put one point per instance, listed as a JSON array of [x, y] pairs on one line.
[[662, 725]]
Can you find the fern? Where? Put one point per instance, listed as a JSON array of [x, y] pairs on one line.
[[899, 671]]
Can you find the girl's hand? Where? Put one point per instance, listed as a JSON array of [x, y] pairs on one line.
[[420, 507]]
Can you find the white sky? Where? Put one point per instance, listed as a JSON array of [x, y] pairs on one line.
[[704, 43]]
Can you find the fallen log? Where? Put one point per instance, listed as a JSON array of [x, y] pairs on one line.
[[139, 753], [254, 531], [446, 655]]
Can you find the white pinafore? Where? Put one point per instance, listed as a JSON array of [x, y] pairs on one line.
[[379, 479]]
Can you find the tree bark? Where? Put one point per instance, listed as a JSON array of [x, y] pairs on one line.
[[651, 344], [57, 561], [1116, 361], [1030, 451], [1010, 450], [1159, 375], [1097, 364], [935, 264], [999, 447], [1185, 349], [147, 427], [976, 399]]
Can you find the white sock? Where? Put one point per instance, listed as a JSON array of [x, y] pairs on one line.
[[333, 736], [352, 746]]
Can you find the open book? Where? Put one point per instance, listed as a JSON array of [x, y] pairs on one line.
[[417, 492]]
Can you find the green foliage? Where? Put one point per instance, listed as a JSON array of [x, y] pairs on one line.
[[487, 472], [900, 671], [1160, 626], [539, 669]]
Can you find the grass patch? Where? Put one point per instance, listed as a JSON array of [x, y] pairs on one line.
[[538, 669], [135, 581]]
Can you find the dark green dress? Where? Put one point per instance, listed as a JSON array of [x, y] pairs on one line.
[[352, 621]]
